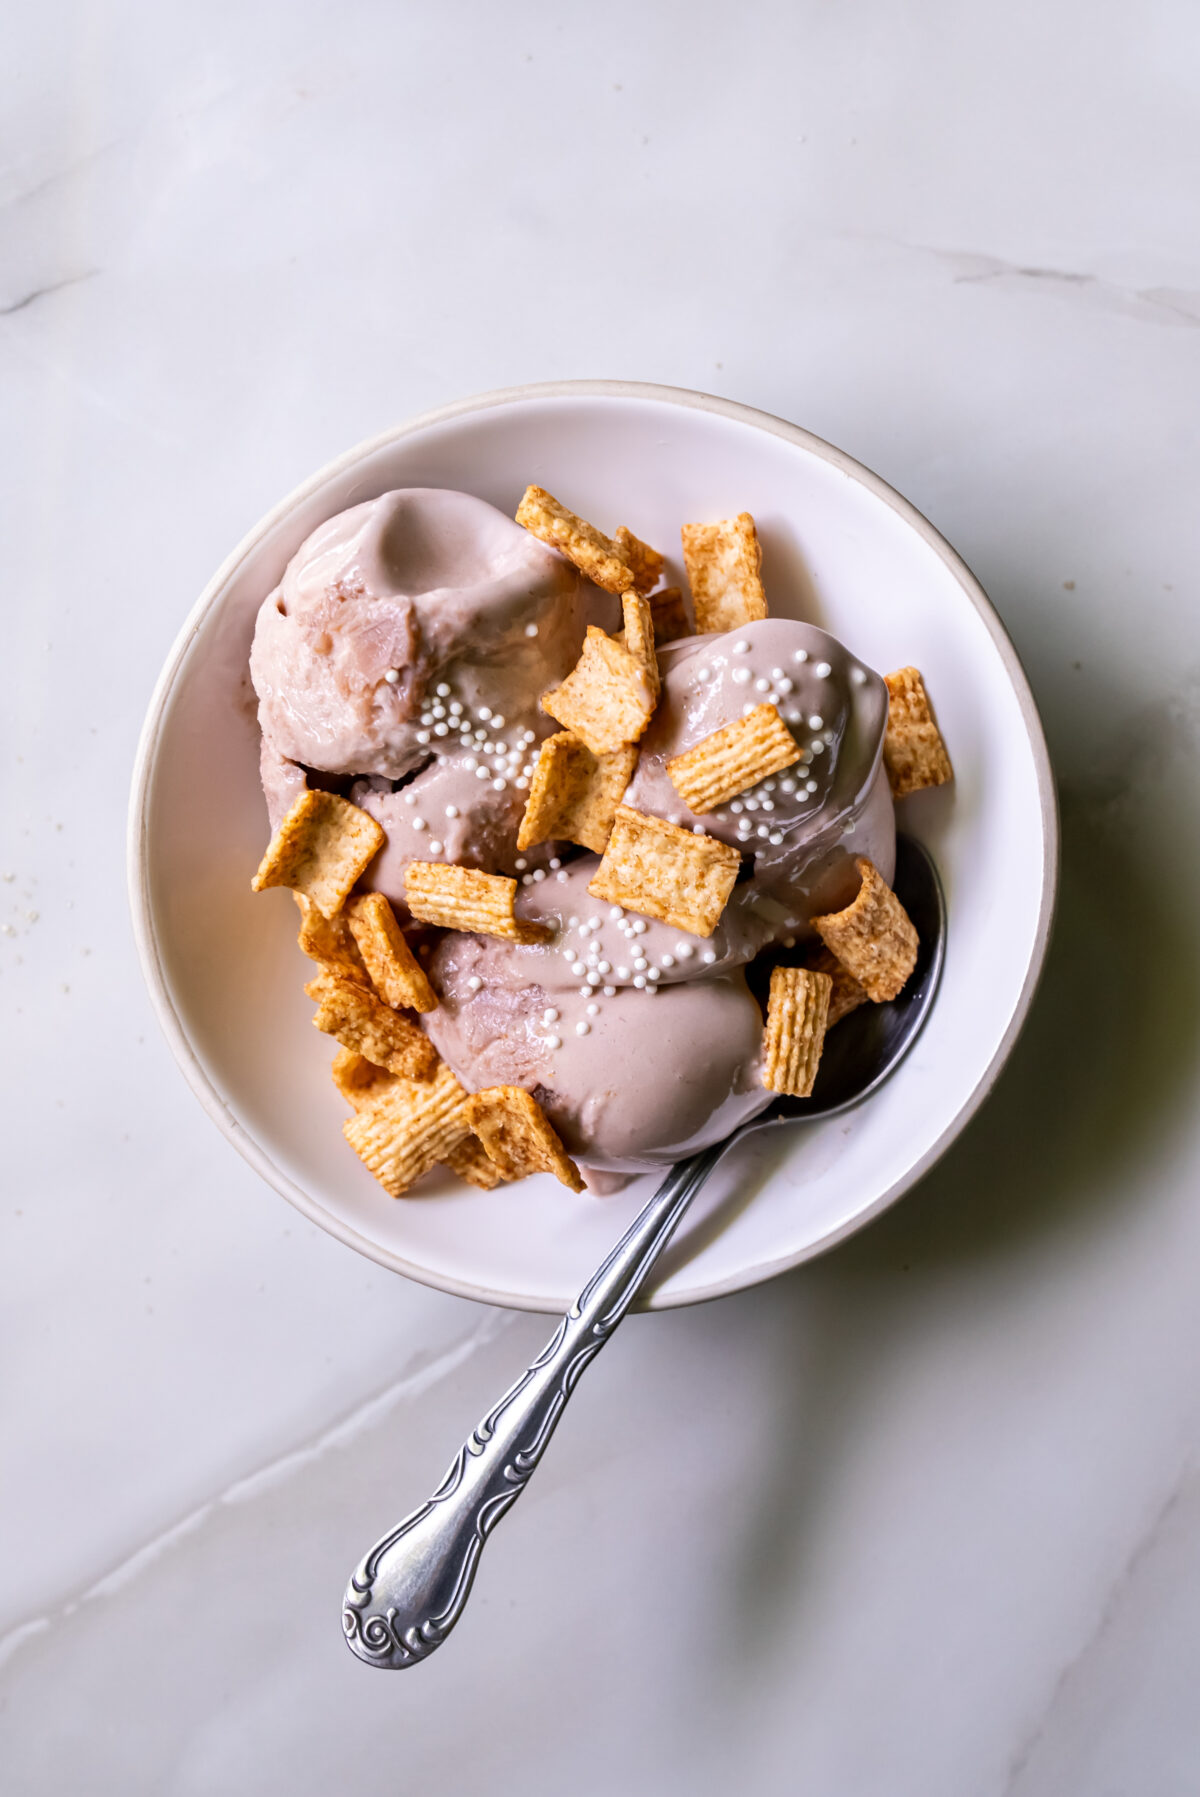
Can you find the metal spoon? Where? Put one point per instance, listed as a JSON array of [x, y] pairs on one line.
[[410, 1590]]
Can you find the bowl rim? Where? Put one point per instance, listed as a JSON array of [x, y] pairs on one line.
[[143, 774]]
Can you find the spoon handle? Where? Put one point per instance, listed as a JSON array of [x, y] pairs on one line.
[[410, 1590]]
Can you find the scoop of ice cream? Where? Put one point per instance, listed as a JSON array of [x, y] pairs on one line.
[[630, 1079], [389, 602]]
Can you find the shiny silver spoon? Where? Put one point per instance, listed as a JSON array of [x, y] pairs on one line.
[[410, 1590]]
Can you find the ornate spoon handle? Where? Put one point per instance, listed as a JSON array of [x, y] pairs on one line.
[[410, 1590]]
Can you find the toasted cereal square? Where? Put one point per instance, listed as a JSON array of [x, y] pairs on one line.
[[662, 871], [358, 1020], [913, 751], [873, 937], [395, 972], [723, 562], [733, 759], [320, 849], [463, 898], [639, 636], [518, 1136], [409, 1128], [797, 1014], [670, 616], [573, 795], [645, 564], [472, 1162], [846, 994], [591, 551], [358, 1080], [329, 942], [607, 699]]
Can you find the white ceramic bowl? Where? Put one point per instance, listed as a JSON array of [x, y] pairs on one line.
[[840, 548]]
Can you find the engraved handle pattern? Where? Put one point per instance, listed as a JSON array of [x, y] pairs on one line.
[[409, 1591]]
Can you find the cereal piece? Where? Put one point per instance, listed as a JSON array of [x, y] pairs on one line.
[[645, 564], [472, 1162], [590, 550], [670, 616], [662, 871], [913, 751], [320, 849], [846, 995], [574, 794], [733, 758], [795, 1034], [516, 1134], [723, 562], [395, 972], [873, 937], [409, 1128], [328, 941], [639, 636], [463, 898], [358, 1080], [607, 698], [360, 1021]]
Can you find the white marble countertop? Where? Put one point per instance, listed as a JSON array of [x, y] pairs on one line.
[[921, 1519]]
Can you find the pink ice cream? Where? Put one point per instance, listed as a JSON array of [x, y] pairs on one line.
[[402, 659]]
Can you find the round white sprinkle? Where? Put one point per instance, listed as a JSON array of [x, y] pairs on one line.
[[469, 761], [561, 877], [775, 838], [440, 730], [817, 746], [816, 721], [622, 973], [654, 974], [485, 712], [811, 786], [792, 716], [741, 647], [747, 708], [499, 785], [392, 676], [785, 685], [578, 968], [481, 773], [616, 914], [474, 983], [437, 711], [452, 811], [800, 655], [522, 785], [710, 955], [787, 786], [667, 960], [594, 923], [593, 979], [822, 670], [550, 1015], [583, 1028], [527, 879], [427, 717], [610, 992], [740, 675], [555, 863], [761, 685], [763, 830], [603, 967], [639, 926], [593, 1010], [750, 804], [767, 804], [527, 736], [703, 674], [418, 823], [640, 963], [684, 951], [857, 676], [455, 708], [435, 848], [553, 1041], [422, 736], [531, 630], [520, 863], [697, 829], [539, 874], [442, 690], [639, 979], [736, 808], [410, 798]]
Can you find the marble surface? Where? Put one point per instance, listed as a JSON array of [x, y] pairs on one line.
[[920, 1519]]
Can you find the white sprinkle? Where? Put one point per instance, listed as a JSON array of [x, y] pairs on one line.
[[792, 716], [499, 785], [561, 877], [639, 979], [816, 721], [392, 676], [761, 685], [578, 968], [481, 773], [775, 838], [800, 655], [435, 848], [539, 874], [710, 955], [422, 736], [817, 746], [474, 983], [768, 786], [638, 926], [811, 786], [651, 990], [571, 922], [763, 830], [550, 1015], [684, 951], [747, 708], [822, 670], [553, 1041], [410, 798], [857, 676], [527, 736], [440, 730], [469, 761], [455, 708], [767, 804], [788, 785], [667, 960], [741, 647], [522, 785], [654, 974], [740, 675], [622, 973], [520, 863], [776, 673], [736, 808], [593, 1010], [610, 992], [418, 823], [531, 630], [442, 690], [697, 829], [786, 685], [594, 923], [616, 914], [427, 717], [703, 674], [555, 863], [640, 963], [750, 804], [593, 979], [603, 967], [527, 879], [437, 711], [583, 1028]]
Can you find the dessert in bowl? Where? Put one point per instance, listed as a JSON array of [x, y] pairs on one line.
[[676, 1059]]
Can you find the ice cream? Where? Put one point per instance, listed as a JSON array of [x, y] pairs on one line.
[[403, 658]]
